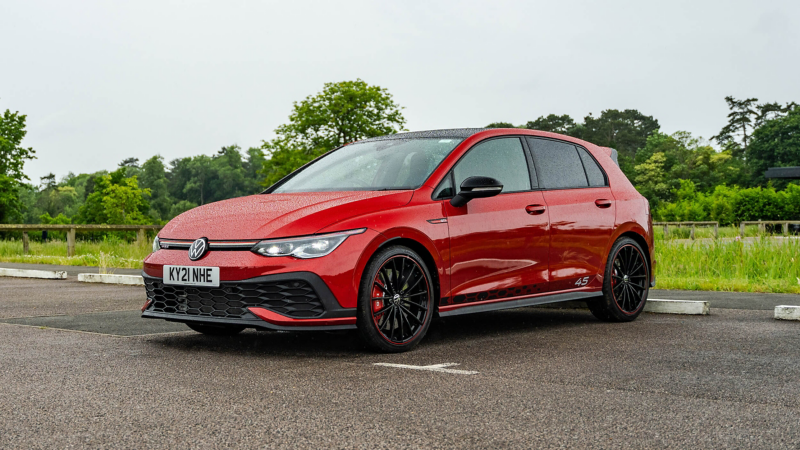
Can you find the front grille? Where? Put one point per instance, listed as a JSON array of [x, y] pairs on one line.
[[294, 298]]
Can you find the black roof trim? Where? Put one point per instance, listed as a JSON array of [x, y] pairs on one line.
[[431, 134]]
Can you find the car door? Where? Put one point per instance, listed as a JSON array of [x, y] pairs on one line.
[[582, 212], [499, 245]]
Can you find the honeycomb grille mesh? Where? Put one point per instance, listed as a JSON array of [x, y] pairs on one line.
[[294, 298]]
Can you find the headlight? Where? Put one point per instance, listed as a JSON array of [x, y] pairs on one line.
[[156, 244], [304, 247]]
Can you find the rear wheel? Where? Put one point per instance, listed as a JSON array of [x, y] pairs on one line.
[[625, 284], [215, 330], [395, 304]]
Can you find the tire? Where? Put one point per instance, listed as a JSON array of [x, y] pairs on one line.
[[395, 304], [216, 330], [626, 283]]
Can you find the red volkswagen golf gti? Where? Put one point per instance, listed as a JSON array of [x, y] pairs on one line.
[[384, 234]]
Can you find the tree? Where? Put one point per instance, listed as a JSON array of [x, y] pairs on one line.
[[343, 112], [740, 120], [563, 124], [626, 131], [666, 160], [775, 144], [201, 174], [500, 125], [154, 177], [12, 160], [744, 117], [48, 181], [116, 200], [651, 179], [130, 162]]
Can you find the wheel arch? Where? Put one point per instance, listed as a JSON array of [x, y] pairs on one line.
[[427, 255], [642, 243]]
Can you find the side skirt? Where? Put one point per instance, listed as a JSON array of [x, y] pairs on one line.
[[520, 303]]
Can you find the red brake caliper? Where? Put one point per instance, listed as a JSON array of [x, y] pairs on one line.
[[377, 304]]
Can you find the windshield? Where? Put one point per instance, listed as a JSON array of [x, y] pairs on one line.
[[372, 166]]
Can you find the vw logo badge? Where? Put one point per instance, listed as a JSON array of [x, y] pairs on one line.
[[198, 249]]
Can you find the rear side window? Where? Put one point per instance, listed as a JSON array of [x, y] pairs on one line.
[[502, 159], [558, 164], [593, 172]]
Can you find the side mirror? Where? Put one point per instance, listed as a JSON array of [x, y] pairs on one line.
[[476, 187]]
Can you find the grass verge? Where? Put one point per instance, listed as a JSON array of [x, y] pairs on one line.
[[760, 265], [106, 254]]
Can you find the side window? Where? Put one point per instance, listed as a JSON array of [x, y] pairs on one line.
[[502, 159], [445, 188], [558, 164], [593, 172]]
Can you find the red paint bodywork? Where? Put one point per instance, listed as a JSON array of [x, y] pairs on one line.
[[490, 244]]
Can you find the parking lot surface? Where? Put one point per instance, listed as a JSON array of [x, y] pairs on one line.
[[80, 368]]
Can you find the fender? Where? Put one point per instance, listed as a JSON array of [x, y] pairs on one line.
[[442, 264], [619, 231]]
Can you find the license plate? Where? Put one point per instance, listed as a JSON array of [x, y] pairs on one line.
[[191, 276]]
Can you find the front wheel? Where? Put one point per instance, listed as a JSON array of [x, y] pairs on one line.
[[625, 284], [395, 304]]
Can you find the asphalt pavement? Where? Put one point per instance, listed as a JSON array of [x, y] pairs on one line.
[[79, 368]]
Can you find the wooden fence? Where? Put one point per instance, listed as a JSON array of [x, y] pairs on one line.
[[693, 225], [762, 225], [71, 229]]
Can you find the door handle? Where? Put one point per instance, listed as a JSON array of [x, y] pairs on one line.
[[602, 203], [535, 210]]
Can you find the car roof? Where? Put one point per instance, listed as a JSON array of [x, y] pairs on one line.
[[431, 134]]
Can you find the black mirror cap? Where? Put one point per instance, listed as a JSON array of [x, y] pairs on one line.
[[476, 187]]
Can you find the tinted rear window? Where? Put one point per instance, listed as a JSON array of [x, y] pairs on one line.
[[558, 164]]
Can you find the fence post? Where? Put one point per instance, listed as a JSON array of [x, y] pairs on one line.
[[762, 228], [141, 236], [741, 229], [71, 242], [691, 233], [716, 230], [26, 243], [785, 228], [666, 230]]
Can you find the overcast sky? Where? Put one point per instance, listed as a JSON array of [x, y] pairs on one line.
[[101, 81]]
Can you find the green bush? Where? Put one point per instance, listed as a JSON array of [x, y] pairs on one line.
[[731, 205]]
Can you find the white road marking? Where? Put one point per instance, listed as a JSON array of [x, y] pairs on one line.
[[432, 368]]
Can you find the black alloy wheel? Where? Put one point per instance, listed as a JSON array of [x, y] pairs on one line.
[[629, 279], [396, 300], [625, 285]]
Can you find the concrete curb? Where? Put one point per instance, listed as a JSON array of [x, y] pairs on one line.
[[655, 305], [28, 273], [130, 280], [787, 312]]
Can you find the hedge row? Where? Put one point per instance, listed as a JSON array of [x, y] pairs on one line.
[[730, 205]]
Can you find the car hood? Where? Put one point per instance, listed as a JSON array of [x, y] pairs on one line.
[[279, 215]]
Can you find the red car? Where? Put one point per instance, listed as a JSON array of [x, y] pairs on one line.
[[384, 234]]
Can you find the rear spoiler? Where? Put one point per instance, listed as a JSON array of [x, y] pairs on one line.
[[612, 154]]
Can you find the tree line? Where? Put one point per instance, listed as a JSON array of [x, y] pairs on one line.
[[684, 177]]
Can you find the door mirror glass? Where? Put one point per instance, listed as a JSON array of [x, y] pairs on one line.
[[476, 187]]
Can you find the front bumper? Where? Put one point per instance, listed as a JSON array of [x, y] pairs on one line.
[[287, 301]]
